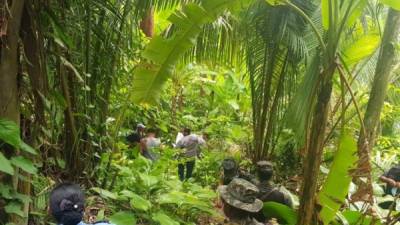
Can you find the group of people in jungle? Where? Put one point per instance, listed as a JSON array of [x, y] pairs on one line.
[[242, 195], [187, 143]]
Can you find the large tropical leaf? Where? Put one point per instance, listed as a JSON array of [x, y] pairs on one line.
[[123, 218], [325, 13], [14, 207], [164, 219], [24, 164], [357, 218], [105, 193], [301, 106], [163, 53], [362, 48], [5, 165], [281, 212], [337, 184], [10, 133], [395, 4], [138, 202]]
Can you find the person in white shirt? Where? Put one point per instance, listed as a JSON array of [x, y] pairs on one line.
[[191, 144]]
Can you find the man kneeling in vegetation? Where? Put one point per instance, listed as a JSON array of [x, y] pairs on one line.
[[392, 180], [268, 192]]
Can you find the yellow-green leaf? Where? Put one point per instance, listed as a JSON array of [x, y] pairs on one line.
[[395, 4], [325, 13], [275, 2], [362, 48], [336, 186], [356, 12]]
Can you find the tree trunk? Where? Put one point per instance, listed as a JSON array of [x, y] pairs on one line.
[[314, 152], [147, 24], [9, 103], [9, 98], [71, 133], [33, 46], [380, 85]]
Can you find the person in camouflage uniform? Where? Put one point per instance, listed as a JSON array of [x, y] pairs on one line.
[[231, 170], [268, 191], [240, 202]]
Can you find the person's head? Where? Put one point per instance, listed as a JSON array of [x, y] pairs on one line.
[[151, 132], [265, 170], [140, 128], [229, 167], [186, 131], [67, 204], [240, 198]]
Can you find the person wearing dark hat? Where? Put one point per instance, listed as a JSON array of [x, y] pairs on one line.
[[229, 171], [240, 202], [135, 139], [268, 192], [67, 205]]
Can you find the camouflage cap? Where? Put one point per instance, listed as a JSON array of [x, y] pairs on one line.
[[241, 194]]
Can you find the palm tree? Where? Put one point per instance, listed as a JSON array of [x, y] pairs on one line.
[[377, 97]]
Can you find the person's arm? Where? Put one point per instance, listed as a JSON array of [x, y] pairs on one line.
[[179, 137], [389, 181], [201, 141], [142, 145]]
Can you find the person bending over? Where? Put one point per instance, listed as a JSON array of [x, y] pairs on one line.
[[67, 203]]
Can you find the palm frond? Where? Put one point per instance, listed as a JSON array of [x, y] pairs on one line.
[[163, 53]]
